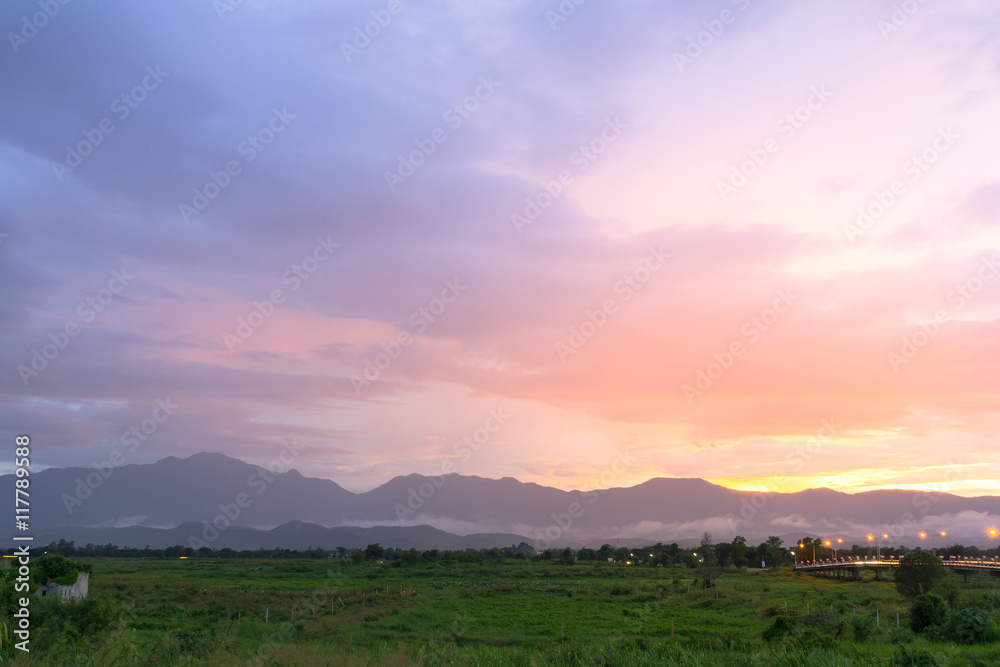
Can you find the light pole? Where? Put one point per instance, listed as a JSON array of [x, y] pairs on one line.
[[871, 538], [933, 545]]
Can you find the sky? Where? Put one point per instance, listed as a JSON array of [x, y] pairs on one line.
[[580, 244]]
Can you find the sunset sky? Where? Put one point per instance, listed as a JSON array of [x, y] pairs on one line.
[[630, 230]]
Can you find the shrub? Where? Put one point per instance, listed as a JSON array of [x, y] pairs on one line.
[[901, 636], [968, 626], [827, 622], [51, 566], [781, 627], [912, 657], [862, 628], [927, 611]]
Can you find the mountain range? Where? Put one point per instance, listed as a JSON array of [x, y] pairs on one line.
[[213, 490]]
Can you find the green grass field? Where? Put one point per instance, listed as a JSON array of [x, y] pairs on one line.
[[332, 612]]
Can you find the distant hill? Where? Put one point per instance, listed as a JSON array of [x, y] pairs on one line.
[[212, 487]]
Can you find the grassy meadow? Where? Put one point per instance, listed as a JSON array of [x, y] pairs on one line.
[[509, 612]]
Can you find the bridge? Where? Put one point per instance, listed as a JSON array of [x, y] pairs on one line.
[[843, 567]]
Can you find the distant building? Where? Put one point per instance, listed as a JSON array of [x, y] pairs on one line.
[[76, 591]]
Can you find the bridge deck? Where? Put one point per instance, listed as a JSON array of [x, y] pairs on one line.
[[880, 563]]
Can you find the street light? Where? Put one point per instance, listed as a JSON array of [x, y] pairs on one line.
[[871, 538]]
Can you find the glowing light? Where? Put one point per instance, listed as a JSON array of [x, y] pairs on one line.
[[922, 534]]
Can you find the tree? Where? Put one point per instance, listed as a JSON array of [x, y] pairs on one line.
[[709, 560], [774, 552], [622, 554], [374, 551], [919, 572], [738, 551], [606, 551]]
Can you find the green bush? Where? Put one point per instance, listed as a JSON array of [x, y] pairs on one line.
[[901, 636], [912, 657], [51, 566], [927, 610], [968, 626], [781, 627], [862, 628], [827, 622]]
